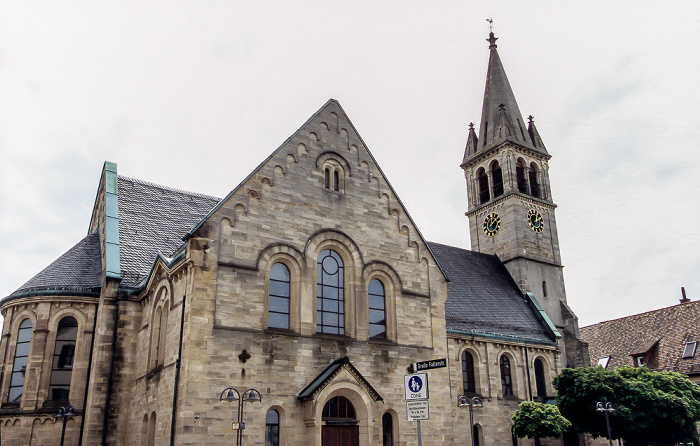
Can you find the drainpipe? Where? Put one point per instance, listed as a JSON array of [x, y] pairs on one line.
[[111, 371], [87, 381], [177, 375]]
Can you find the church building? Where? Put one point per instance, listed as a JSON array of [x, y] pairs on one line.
[[294, 310]]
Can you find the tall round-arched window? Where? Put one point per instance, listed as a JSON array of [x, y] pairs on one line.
[[468, 382], [330, 293], [19, 367], [497, 179], [534, 183], [377, 309], [540, 381], [506, 382], [483, 182], [272, 428], [387, 430], [278, 303], [63, 355]]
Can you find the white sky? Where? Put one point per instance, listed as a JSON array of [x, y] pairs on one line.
[[194, 95]]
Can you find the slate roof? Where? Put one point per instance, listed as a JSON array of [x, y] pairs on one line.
[[152, 219], [660, 335], [79, 269], [483, 299]]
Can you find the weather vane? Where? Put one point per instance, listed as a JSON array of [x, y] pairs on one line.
[[490, 20]]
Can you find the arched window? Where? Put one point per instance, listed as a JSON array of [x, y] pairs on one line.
[[506, 383], [544, 288], [497, 179], [337, 408], [330, 293], [278, 303], [163, 333], [327, 179], [377, 310], [144, 431], [19, 367], [272, 428], [336, 180], [468, 382], [534, 183], [520, 171], [483, 182], [476, 433], [152, 430], [540, 381], [159, 331], [155, 338], [63, 354], [387, 430]]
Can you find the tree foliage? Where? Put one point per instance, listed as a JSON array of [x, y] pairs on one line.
[[650, 407], [539, 420]]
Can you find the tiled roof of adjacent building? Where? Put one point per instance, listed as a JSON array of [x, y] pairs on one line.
[[79, 269], [659, 336], [483, 299], [152, 219]]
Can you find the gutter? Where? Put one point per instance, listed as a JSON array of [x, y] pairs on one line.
[[475, 334], [177, 375], [87, 381]]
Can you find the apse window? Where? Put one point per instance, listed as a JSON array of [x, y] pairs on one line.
[[689, 350], [603, 362]]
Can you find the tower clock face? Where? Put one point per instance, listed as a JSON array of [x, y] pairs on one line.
[[492, 223], [535, 220]]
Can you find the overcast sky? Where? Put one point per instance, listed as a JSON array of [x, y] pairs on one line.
[[194, 95]]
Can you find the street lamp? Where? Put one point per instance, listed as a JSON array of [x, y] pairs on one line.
[[608, 409], [463, 401], [249, 396], [64, 413]]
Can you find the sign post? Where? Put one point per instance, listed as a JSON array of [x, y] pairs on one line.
[[417, 406]]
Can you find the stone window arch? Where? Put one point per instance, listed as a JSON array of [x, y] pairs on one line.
[[333, 175], [19, 364], [522, 176], [387, 429], [279, 296], [483, 185], [535, 190], [376, 297], [272, 428], [468, 376], [63, 358], [152, 430], [541, 377], [496, 178], [506, 375], [159, 329], [330, 293]]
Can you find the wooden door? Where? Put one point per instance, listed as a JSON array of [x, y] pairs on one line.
[[335, 435]]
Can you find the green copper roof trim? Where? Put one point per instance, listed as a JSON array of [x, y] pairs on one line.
[[477, 334], [530, 299], [112, 258]]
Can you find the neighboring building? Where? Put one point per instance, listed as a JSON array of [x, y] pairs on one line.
[[664, 339], [309, 282]]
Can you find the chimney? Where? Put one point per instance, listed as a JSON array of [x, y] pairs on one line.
[[685, 300]]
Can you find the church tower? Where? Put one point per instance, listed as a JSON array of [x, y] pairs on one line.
[[511, 211]]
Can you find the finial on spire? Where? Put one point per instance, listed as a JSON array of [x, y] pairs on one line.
[[492, 39], [531, 119], [471, 126]]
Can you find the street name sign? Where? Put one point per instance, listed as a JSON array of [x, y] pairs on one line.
[[432, 364]]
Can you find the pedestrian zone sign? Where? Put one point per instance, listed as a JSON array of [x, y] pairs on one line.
[[416, 386]]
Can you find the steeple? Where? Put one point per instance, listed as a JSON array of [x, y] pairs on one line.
[[500, 116]]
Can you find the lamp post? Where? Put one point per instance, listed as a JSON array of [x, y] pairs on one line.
[[464, 401], [64, 413], [608, 409], [249, 396]]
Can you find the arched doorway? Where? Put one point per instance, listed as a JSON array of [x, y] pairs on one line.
[[340, 426]]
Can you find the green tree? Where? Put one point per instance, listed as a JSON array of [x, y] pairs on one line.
[[539, 420], [650, 407]]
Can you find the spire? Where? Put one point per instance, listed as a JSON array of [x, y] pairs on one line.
[[472, 143], [534, 134], [500, 115]]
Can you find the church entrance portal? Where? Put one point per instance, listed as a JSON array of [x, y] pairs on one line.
[[340, 428]]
